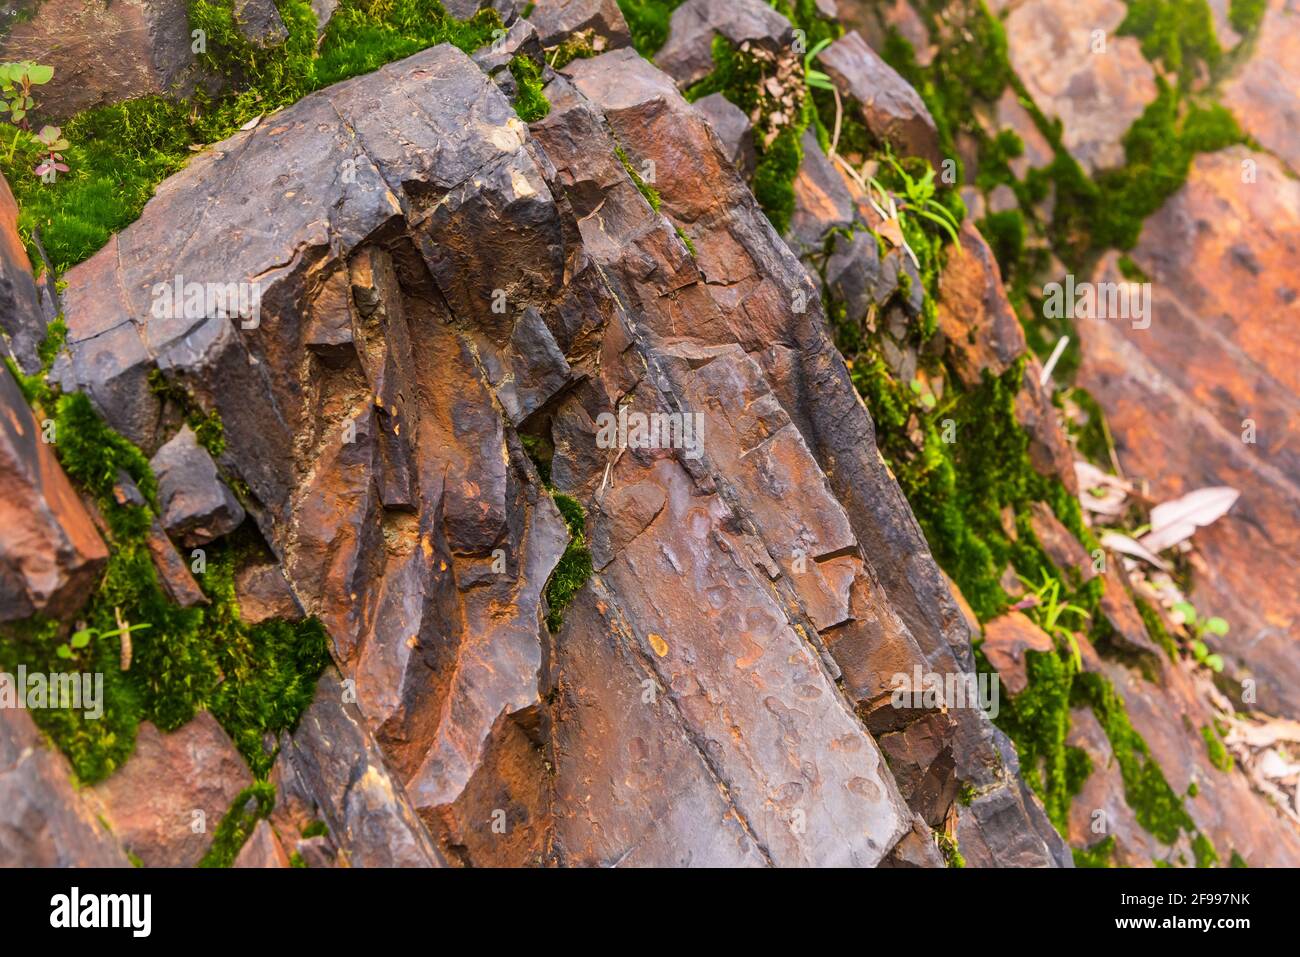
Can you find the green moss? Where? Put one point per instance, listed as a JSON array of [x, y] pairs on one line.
[[1179, 34], [1219, 755], [1246, 15], [647, 21], [252, 805], [686, 241], [948, 848], [120, 153], [1156, 628], [774, 177], [574, 567], [1037, 720], [530, 102], [1155, 804], [254, 680], [296, 860], [1005, 233], [1101, 854], [1204, 851], [1236, 860], [317, 828], [208, 428], [649, 192]]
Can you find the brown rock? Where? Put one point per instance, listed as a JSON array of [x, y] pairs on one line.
[[22, 322], [1096, 95], [1264, 92], [1006, 640], [687, 55], [262, 849], [50, 553], [891, 109], [197, 507], [104, 53], [44, 820], [263, 593], [1209, 371], [165, 803], [556, 20], [974, 315]]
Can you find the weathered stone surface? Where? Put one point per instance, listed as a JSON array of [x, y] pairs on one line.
[[1264, 92], [259, 21], [50, 553], [105, 52], [1096, 95], [556, 20], [974, 315], [1013, 116], [44, 820], [649, 118], [171, 784], [375, 416], [197, 507], [821, 200], [734, 130], [263, 593], [1178, 396], [332, 766], [1007, 639], [262, 849], [22, 319], [890, 108], [687, 55]]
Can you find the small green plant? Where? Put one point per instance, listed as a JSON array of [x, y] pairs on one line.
[[52, 144], [82, 637], [1048, 611], [17, 81], [1198, 628]]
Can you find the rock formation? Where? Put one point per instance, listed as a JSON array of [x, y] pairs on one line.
[[569, 442]]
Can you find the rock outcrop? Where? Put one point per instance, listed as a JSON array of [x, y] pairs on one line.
[[50, 553]]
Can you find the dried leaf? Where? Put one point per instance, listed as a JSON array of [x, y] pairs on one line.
[[1117, 542], [1174, 522]]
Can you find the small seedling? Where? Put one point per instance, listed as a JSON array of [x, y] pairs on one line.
[[1198, 628], [82, 637], [1048, 612]]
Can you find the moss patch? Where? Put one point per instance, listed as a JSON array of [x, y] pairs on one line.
[[252, 805], [574, 567], [120, 153], [530, 102]]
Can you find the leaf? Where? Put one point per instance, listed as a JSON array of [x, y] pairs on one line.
[[1217, 626], [1186, 609], [81, 638], [63, 651], [1200, 649], [38, 74], [1118, 542], [252, 123], [1174, 522], [1215, 662], [19, 115]]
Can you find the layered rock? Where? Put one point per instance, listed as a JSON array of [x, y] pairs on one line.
[[165, 803], [1207, 395], [105, 53], [474, 281], [1264, 92], [50, 554], [1078, 70], [44, 820]]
